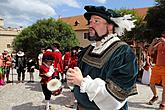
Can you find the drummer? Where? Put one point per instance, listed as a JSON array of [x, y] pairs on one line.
[[46, 70]]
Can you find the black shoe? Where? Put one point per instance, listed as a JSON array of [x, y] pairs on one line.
[[154, 98], [161, 107], [18, 82], [69, 105], [8, 81]]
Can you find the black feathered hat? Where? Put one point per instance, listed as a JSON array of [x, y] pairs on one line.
[[102, 12], [47, 58]]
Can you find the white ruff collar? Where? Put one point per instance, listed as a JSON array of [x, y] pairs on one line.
[[56, 50], [104, 43], [21, 54]]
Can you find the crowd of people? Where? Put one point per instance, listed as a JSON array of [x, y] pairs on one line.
[[152, 67], [18, 61], [52, 65], [101, 76]]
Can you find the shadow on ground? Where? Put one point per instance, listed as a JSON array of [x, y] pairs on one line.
[[63, 99], [141, 105], [28, 106], [33, 86]]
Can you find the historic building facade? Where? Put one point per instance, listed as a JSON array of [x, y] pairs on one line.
[[6, 36], [80, 25]]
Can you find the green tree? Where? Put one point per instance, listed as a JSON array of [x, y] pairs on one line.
[[156, 19], [44, 33], [135, 34]]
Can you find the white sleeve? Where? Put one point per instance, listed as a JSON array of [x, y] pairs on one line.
[[97, 92], [50, 72], [39, 56]]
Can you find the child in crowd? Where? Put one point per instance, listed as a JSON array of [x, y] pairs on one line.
[[46, 70], [30, 69]]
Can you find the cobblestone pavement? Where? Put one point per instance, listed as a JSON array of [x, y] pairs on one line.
[[28, 96]]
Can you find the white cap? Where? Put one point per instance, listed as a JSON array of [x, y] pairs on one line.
[[5, 50]]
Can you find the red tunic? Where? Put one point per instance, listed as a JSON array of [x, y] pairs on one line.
[[67, 59], [58, 62], [42, 71], [7, 60], [73, 62], [46, 53]]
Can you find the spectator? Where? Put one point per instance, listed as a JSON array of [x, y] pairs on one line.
[[147, 68], [1, 71], [40, 56], [7, 61], [158, 44], [21, 65], [30, 68]]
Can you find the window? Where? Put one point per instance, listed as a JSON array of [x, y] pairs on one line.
[[76, 23], [86, 35], [8, 46]]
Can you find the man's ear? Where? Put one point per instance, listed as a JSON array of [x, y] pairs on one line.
[[110, 27]]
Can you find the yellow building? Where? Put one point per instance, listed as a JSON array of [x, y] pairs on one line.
[[6, 36]]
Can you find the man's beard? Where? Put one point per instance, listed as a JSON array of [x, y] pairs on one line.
[[96, 37]]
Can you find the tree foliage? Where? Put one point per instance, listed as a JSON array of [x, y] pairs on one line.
[[43, 34], [160, 2], [156, 19], [139, 25]]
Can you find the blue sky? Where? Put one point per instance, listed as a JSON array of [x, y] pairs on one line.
[[113, 4], [26, 12]]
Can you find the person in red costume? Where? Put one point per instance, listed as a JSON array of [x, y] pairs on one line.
[[74, 58], [46, 71], [7, 64], [58, 64], [48, 51], [66, 61], [72, 64]]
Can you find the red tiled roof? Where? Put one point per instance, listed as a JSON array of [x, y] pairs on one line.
[[141, 11], [82, 23]]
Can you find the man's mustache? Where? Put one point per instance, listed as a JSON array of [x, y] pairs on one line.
[[95, 37], [91, 28]]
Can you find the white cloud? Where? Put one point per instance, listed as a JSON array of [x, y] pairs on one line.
[[25, 12], [31, 7], [70, 3], [101, 1]]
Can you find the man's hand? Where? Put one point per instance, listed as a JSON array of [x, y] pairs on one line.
[[74, 76], [155, 41], [162, 39]]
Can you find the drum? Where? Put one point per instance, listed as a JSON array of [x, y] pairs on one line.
[[55, 86]]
